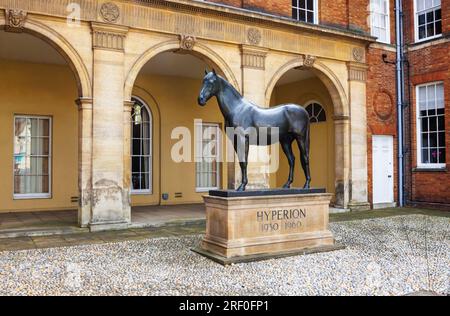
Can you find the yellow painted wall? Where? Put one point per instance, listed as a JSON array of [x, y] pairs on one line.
[[322, 157], [50, 90], [173, 102], [37, 89]]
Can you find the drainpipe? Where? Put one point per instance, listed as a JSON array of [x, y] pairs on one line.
[[400, 97]]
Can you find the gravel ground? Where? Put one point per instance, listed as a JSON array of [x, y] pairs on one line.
[[385, 256]]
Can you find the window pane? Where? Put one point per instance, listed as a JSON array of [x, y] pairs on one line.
[[441, 123], [424, 124], [421, 19], [442, 155], [44, 128], [430, 29], [302, 4], [437, 14], [441, 139], [433, 155], [294, 13], [430, 16], [20, 127], [438, 27], [424, 140], [310, 4], [433, 124], [302, 15], [422, 32], [425, 157], [433, 140], [310, 17]]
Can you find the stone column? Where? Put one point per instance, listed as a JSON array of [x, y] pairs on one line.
[[110, 197], [358, 136], [127, 155], [84, 160], [342, 160], [253, 88]]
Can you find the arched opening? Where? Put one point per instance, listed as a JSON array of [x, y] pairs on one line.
[[303, 87], [39, 150], [169, 84]]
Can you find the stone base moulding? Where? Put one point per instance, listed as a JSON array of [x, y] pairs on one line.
[[250, 228]]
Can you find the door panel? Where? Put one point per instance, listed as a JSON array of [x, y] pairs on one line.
[[383, 169]]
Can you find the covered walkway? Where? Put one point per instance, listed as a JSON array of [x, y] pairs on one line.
[[65, 222]]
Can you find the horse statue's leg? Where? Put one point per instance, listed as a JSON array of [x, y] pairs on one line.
[[286, 145], [241, 147], [303, 145]]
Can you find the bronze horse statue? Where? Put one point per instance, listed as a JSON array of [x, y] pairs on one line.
[[289, 121]]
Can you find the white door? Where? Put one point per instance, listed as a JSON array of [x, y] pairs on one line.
[[383, 169]]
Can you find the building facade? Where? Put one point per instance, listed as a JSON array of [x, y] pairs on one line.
[[330, 56]]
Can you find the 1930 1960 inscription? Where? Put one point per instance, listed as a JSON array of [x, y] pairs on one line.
[[280, 220]]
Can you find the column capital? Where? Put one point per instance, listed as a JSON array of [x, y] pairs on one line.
[[357, 71], [84, 103], [127, 105], [108, 37], [253, 57]]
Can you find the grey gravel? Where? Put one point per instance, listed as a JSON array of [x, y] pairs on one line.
[[385, 256]]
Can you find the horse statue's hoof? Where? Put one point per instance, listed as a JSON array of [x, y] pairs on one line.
[[241, 188], [286, 186]]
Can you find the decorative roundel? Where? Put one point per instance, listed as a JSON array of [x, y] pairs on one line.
[[110, 12], [254, 36], [316, 113]]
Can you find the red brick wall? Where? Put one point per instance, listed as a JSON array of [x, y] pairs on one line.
[[233, 3], [276, 7], [381, 107], [381, 100], [333, 13], [351, 14], [429, 64], [358, 13]]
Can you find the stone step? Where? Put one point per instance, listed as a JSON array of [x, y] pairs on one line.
[[41, 231]]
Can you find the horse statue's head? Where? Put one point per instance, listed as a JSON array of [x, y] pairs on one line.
[[210, 87]]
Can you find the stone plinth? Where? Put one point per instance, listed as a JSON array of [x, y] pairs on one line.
[[269, 224]]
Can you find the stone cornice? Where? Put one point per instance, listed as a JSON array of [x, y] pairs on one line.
[[252, 16], [208, 21]]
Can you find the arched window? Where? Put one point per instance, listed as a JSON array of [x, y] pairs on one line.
[[141, 151], [316, 113]]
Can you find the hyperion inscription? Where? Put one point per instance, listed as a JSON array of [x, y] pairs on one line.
[[247, 227], [278, 220]]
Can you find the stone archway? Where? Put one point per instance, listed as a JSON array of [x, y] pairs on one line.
[[142, 73], [341, 119], [198, 49], [82, 78], [62, 45]]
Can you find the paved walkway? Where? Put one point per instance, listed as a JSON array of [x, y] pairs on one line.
[[187, 221], [30, 224]]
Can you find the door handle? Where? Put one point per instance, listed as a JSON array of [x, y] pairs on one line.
[[389, 176]]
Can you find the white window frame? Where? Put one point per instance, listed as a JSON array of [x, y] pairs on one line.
[[388, 22], [416, 24], [316, 11], [419, 131], [25, 196], [150, 158], [199, 125]]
